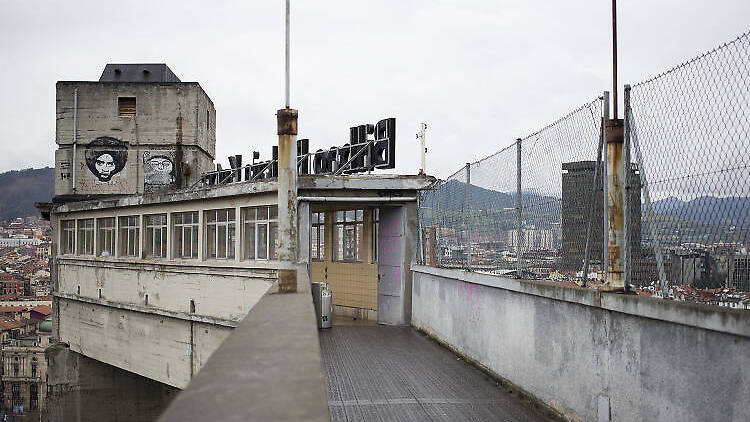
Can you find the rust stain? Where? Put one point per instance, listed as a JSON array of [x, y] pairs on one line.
[[287, 281]]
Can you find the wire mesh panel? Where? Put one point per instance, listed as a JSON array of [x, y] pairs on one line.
[[690, 130], [478, 228], [560, 195]]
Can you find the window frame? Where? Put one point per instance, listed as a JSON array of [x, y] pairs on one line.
[[105, 234], [85, 232], [151, 226], [342, 221], [125, 229], [212, 237], [266, 217], [317, 227], [179, 228], [125, 110], [68, 236]]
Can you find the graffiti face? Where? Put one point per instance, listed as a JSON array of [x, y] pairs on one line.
[[105, 165], [105, 157], [158, 171]]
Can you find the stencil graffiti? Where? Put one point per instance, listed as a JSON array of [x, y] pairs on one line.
[[158, 170], [106, 157]]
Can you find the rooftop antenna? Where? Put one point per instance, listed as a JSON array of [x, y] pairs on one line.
[[423, 149], [286, 81], [614, 58]]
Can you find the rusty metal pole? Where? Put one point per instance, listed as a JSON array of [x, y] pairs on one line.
[[614, 58], [467, 216], [287, 189], [519, 212], [286, 120], [615, 210]]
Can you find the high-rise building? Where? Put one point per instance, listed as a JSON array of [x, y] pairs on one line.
[[577, 189]]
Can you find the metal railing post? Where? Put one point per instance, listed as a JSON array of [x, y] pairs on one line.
[[519, 211], [467, 216]]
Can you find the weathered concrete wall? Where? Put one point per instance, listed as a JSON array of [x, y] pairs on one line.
[[218, 292], [83, 389], [166, 349], [173, 120], [585, 353]]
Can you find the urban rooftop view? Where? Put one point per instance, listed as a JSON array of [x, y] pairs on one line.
[[556, 235]]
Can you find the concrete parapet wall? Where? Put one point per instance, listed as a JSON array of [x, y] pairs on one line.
[[592, 355]]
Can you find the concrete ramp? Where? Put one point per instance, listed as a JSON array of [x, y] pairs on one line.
[[385, 373]]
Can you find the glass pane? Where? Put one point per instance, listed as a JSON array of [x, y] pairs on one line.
[[273, 231], [322, 242], [249, 214], [350, 243], [350, 215], [314, 243], [262, 241], [339, 242], [360, 215], [222, 242], [273, 213], [322, 217], [249, 240], [210, 216], [360, 246], [263, 213], [314, 218], [211, 241], [177, 218], [230, 215], [231, 240], [178, 244], [339, 216], [194, 242]]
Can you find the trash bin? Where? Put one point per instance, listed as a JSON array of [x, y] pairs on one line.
[[323, 303]]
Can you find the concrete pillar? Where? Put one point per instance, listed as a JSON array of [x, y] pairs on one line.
[[287, 189]]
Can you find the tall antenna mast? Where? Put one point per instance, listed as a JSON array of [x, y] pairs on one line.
[[614, 57], [286, 78]]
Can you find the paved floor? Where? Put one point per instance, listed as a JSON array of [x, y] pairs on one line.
[[380, 373]]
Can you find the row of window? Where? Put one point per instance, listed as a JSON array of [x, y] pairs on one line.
[[259, 230]]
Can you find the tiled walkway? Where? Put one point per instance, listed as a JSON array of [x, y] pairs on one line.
[[380, 373]]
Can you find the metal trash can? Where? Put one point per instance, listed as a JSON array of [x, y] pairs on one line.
[[323, 303]]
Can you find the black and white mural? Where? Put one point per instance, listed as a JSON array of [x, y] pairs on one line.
[[158, 170], [106, 157]]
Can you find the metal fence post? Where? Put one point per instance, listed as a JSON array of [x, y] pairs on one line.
[[467, 216], [519, 266]]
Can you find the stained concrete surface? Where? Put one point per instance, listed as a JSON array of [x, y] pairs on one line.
[[384, 373]]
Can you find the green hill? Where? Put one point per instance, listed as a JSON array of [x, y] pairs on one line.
[[19, 189]]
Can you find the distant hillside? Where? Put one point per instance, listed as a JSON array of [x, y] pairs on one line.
[[708, 210], [19, 189]]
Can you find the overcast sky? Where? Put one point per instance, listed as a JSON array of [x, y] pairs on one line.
[[480, 73]]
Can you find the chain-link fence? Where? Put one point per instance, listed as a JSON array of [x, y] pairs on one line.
[[479, 228], [690, 132], [687, 190]]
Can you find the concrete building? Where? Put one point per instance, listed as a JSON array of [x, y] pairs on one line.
[[147, 283], [24, 378], [138, 129], [576, 203]]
